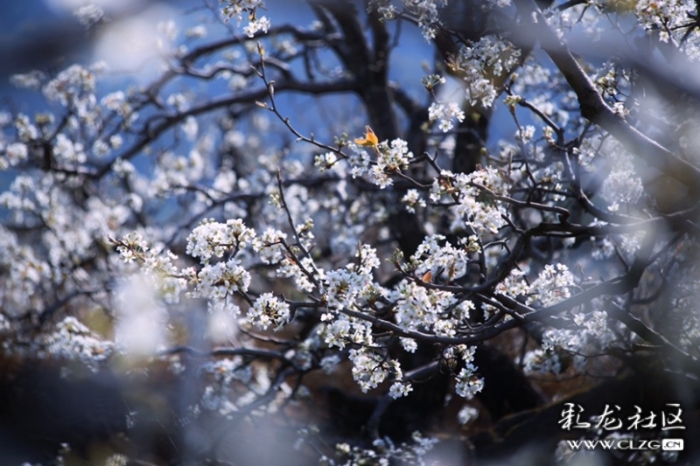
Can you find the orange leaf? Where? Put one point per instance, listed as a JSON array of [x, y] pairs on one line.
[[370, 139]]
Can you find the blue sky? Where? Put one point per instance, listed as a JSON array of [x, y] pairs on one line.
[[29, 17]]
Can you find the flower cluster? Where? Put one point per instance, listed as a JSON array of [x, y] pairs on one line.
[[236, 9], [477, 63], [74, 81], [89, 14], [14, 154], [413, 199], [586, 334], [392, 159], [268, 310], [474, 193], [384, 452], [540, 361], [217, 396], [73, 341], [468, 383], [426, 11], [259, 24], [212, 238], [288, 269], [371, 369], [552, 285], [445, 114], [156, 261], [622, 187], [269, 245], [666, 17]]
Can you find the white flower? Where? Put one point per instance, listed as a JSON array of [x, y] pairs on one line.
[[467, 414], [399, 389], [268, 310], [468, 385], [16, 152], [197, 32], [325, 161], [89, 14], [446, 114], [413, 199], [552, 285], [31, 80], [190, 128], [260, 24], [409, 344], [214, 239], [525, 134], [370, 369], [269, 246]]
